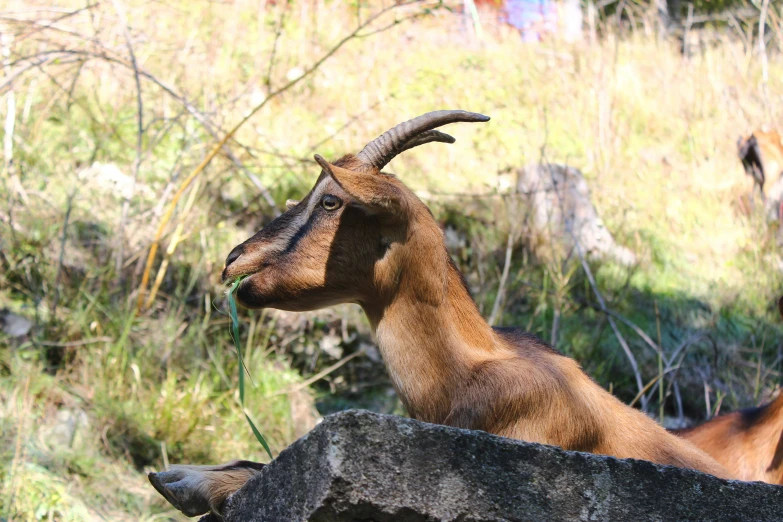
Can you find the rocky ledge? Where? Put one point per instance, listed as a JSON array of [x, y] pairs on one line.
[[360, 466]]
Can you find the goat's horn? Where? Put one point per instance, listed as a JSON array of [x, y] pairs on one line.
[[426, 137], [382, 149]]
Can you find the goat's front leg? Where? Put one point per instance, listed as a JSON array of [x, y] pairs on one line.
[[196, 490]]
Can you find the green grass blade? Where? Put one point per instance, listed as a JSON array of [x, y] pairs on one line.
[[232, 304], [260, 438]]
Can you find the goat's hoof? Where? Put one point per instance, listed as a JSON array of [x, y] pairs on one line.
[[181, 488], [196, 490]]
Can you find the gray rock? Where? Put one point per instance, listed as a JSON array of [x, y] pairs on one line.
[[561, 211], [66, 430], [361, 466], [107, 177], [14, 325]]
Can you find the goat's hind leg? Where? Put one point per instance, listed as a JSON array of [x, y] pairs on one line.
[[196, 490]]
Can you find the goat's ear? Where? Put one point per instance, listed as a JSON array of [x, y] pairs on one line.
[[372, 191]]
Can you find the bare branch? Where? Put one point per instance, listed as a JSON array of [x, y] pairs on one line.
[[503, 277], [318, 376], [273, 55], [139, 137]]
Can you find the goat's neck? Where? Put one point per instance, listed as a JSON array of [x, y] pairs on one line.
[[431, 342]]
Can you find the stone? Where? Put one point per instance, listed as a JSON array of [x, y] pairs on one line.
[[14, 325], [362, 466], [67, 430], [561, 213], [107, 177]]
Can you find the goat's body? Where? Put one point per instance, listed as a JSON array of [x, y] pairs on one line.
[[749, 442], [504, 381]]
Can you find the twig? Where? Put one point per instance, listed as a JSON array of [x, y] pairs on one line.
[[83, 342], [763, 49], [50, 24], [686, 44], [11, 76], [318, 376], [503, 277], [655, 380], [52, 55], [732, 20], [628, 353], [725, 16], [139, 137], [175, 239], [61, 260], [273, 54], [669, 366], [6, 39], [347, 124]]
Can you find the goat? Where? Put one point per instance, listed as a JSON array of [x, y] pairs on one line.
[[761, 155], [748, 442], [361, 236]]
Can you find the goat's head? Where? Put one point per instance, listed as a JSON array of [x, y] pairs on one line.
[[350, 237]]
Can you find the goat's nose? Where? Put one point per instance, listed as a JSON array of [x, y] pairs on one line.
[[234, 255]]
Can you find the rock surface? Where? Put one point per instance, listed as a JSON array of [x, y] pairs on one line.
[[14, 325], [562, 213], [361, 466]]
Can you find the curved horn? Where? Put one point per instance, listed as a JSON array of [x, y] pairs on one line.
[[426, 137], [382, 149]]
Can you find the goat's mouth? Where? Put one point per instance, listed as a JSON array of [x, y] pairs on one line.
[[247, 292], [231, 273]]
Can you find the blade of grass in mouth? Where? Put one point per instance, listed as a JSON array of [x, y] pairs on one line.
[[232, 305]]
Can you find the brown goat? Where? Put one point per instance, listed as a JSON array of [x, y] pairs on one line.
[[361, 236], [748, 442], [761, 154]]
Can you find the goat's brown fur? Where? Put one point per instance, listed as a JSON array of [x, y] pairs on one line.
[[383, 250], [748, 442]]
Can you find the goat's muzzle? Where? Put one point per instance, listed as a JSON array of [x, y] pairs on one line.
[[232, 256]]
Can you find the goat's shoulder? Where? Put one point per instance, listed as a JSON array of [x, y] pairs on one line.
[[523, 382]]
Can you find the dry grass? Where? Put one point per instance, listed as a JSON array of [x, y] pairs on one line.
[[653, 132]]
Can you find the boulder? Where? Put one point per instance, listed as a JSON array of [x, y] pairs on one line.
[[561, 212], [361, 466]]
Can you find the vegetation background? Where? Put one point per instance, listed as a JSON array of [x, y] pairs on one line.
[[108, 106]]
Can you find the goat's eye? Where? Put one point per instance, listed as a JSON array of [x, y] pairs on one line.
[[330, 202]]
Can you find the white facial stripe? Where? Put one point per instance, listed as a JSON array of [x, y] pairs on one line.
[[315, 198], [284, 239]]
